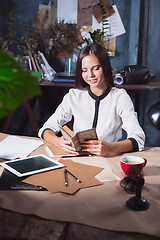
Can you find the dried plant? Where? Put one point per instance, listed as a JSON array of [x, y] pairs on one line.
[[59, 39], [20, 45], [7, 40]]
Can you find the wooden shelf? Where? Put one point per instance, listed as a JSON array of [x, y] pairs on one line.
[[154, 83]]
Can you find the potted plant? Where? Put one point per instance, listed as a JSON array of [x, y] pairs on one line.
[[16, 84]]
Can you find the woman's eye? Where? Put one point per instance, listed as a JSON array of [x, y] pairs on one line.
[[96, 68], [84, 70]]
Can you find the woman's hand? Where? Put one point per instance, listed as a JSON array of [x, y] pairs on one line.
[[50, 137], [97, 147], [101, 147], [66, 146]]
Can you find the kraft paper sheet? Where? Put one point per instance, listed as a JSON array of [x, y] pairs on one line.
[[54, 180], [97, 12]]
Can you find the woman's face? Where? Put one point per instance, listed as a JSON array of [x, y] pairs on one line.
[[92, 72]]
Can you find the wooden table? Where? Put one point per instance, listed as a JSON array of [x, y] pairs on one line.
[[89, 219]]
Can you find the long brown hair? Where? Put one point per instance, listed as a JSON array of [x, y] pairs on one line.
[[103, 58]]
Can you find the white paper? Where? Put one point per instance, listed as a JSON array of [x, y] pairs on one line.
[[13, 147], [116, 26], [42, 6], [103, 176], [48, 151], [67, 11]]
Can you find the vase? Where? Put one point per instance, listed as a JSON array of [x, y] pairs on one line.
[[67, 67]]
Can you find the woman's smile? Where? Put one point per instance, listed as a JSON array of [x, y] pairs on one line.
[[92, 80]]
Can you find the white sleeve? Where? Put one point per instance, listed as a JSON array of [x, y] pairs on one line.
[[129, 119], [62, 115]]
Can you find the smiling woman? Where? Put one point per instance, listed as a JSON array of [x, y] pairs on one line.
[[96, 103]]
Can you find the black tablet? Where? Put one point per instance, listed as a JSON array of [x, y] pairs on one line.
[[31, 165]]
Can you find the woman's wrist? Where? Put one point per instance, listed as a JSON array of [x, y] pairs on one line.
[[50, 137], [122, 146]]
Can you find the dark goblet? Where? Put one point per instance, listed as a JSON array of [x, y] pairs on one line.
[[133, 183]]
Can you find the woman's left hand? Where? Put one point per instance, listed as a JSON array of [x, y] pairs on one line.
[[97, 147]]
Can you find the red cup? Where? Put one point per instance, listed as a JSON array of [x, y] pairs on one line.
[[132, 165]]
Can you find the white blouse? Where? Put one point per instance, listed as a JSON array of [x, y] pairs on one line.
[[108, 113]]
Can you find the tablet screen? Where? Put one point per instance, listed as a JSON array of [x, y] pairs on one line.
[[31, 165]]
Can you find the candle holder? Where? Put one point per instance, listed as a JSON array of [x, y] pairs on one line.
[[133, 182], [137, 202]]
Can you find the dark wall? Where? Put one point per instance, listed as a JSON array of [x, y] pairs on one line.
[[25, 9], [140, 44], [151, 36]]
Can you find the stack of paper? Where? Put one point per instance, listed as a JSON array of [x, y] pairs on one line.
[[13, 147]]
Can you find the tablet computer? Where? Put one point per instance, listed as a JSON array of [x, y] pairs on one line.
[[31, 165]]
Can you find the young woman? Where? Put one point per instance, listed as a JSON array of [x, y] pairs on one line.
[[96, 103]]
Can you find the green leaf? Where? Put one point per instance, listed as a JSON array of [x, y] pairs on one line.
[[16, 85]]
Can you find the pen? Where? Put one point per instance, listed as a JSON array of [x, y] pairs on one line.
[[65, 176], [26, 187], [69, 156], [72, 175]]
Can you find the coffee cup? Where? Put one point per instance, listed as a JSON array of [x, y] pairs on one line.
[[132, 165]]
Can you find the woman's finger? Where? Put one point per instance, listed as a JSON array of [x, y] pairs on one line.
[[70, 151]]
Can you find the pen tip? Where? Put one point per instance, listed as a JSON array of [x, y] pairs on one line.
[[78, 180]]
